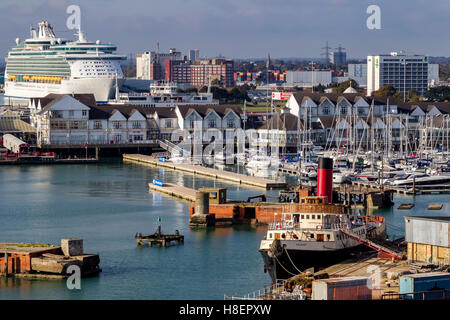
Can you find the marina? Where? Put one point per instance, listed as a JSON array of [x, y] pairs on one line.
[[276, 179], [126, 210]]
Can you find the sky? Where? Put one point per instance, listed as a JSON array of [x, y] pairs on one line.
[[241, 28]]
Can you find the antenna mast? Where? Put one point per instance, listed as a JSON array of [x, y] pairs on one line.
[[326, 53]]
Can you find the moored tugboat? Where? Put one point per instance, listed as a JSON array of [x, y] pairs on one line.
[[315, 233]]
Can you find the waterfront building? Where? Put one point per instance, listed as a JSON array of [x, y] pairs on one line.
[[329, 117], [314, 105], [44, 64], [77, 120], [10, 123], [427, 239], [404, 72]]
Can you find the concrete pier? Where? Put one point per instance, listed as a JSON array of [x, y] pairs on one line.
[[207, 172], [46, 261], [175, 191]]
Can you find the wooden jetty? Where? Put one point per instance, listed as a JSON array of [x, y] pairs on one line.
[[435, 206], [363, 197], [174, 191], [163, 240], [414, 190], [207, 172], [47, 160], [405, 206]]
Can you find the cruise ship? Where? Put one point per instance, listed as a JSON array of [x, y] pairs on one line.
[[45, 64]]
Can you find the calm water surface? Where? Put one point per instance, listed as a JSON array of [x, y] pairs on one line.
[[106, 204]]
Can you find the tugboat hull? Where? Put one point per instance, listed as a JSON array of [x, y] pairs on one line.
[[284, 265]]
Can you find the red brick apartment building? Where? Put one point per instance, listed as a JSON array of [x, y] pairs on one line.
[[200, 72]]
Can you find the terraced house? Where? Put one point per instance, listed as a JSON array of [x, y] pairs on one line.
[[78, 120]]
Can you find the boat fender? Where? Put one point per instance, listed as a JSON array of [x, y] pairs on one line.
[[283, 235]]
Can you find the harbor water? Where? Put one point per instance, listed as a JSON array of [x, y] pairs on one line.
[[107, 203]]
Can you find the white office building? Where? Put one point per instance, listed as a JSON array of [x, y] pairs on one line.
[[358, 72], [433, 74], [307, 78], [144, 62], [404, 72]]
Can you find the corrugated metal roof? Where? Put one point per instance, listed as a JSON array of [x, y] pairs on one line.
[[16, 126]]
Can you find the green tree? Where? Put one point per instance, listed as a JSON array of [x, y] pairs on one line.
[[413, 96], [345, 85], [438, 94], [385, 91], [398, 96], [319, 88]]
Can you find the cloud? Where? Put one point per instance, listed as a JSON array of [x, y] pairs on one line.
[[242, 28]]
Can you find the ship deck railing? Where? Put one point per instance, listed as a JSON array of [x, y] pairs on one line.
[[274, 292], [319, 227]]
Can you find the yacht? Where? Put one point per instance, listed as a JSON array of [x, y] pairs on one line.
[[418, 179], [340, 176], [44, 64], [259, 162]]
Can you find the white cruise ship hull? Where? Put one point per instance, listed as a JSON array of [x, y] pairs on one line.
[[101, 88]]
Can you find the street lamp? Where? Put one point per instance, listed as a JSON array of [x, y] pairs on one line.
[[312, 63], [404, 63]]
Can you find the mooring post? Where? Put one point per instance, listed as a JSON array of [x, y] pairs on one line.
[[6, 263]]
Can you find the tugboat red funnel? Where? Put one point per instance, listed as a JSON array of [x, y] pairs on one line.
[[325, 178]]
